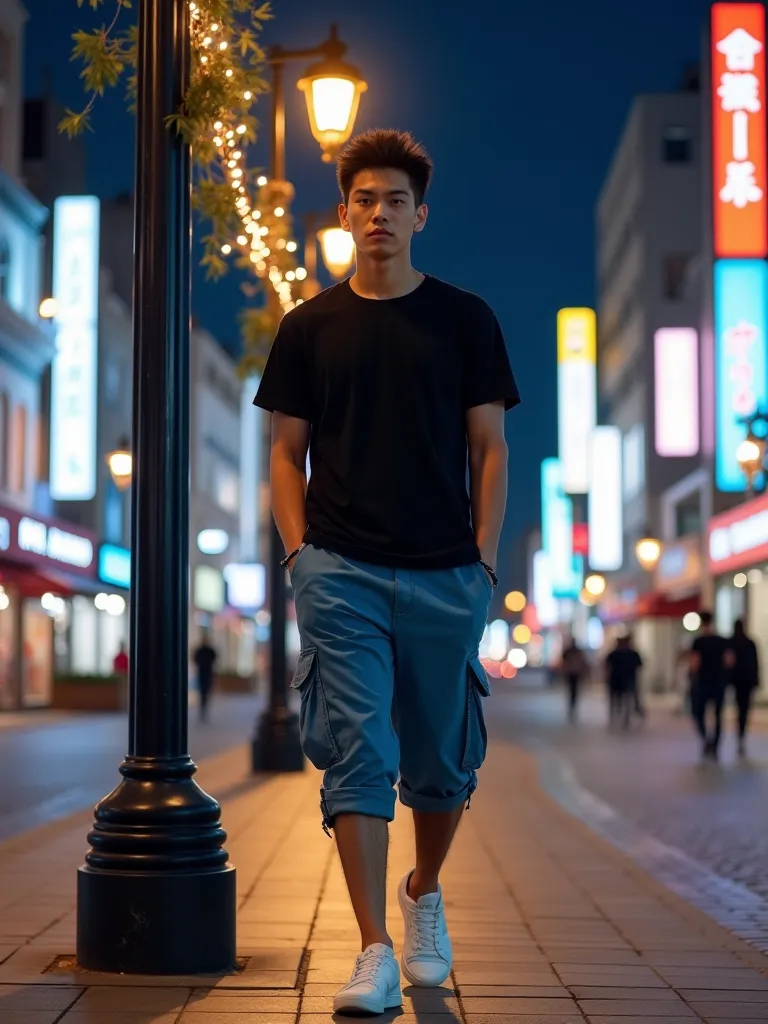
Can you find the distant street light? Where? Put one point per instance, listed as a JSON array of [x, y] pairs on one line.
[[595, 585], [48, 308], [120, 463], [515, 601], [648, 552], [338, 249]]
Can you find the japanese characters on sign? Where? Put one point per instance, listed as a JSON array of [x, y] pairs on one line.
[[741, 381], [74, 379], [739, 130]]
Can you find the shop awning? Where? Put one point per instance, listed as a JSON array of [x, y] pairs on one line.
[[35, 582]]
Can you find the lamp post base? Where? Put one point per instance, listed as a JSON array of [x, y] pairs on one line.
[[276, 745], [156, 922]]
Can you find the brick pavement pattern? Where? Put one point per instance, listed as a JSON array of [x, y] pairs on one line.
[[551, 925]]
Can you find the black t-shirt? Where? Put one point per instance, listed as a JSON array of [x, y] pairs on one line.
[[623, 665], [711, 651], [385, 385]]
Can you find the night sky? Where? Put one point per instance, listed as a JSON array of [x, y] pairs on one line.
[[519, 104]]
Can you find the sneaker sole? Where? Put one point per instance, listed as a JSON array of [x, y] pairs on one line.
[[423, 984], [360, 1005]]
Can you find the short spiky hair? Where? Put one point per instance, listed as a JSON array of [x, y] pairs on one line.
[[384, 147]]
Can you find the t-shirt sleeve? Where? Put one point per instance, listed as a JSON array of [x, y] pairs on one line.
[[286, 384], [488, 375]]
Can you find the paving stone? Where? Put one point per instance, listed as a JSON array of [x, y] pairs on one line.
[[104, 1017], [30, 1016], [581, 992], [724, 996], [243, 1002], [36, 997], [735, 1011], [138, 1000], [602, 1019], [515, 991], [524, 1005], [664, 1008]]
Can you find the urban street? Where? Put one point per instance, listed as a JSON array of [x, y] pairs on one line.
[[383, 512]]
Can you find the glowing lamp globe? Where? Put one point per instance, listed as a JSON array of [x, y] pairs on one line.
[[338, 249], [332, 89]]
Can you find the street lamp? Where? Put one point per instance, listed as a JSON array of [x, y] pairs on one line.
[[595, 585], [120, 463], [338, 249], [751, 456], [48, 308], [648, 552], [332, 90], [156, 894]]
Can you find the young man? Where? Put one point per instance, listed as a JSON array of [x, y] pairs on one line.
[[622, 666], [397, 383], [745, 677], [711, 657]]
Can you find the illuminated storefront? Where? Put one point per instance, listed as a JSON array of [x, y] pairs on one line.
[[42, 563], [737, 549]]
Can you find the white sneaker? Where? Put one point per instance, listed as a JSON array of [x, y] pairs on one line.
[[427, 954], [375, 983]]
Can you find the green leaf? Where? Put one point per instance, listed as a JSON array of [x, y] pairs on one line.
[[74, 124]]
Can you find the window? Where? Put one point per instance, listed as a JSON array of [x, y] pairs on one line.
[[34, 129], [675, 275], [18, 466], [676, 146], [688, 517], [5, 268]]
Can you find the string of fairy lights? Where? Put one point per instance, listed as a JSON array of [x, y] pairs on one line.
[[265, 238]]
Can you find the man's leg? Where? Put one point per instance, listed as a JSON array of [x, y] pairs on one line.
[[440, 687], [362, 843], [744, 703], [718, 701], [346, 680], [434, 835]]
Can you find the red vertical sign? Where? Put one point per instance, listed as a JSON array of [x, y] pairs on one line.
[[740, 181]]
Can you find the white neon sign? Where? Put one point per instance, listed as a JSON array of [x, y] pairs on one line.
[[606, 529], [74, 376], [53, 543], [676, 379]]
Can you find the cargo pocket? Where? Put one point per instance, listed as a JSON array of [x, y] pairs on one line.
[[317, 738], [476, 743]]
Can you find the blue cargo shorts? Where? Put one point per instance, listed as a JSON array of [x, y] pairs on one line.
[[391, 682]]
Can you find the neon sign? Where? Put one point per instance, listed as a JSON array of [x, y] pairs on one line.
[[739, 130]]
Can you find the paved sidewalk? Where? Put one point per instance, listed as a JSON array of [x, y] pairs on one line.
[[551, 925]]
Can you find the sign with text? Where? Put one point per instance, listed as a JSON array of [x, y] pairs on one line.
[[738, 539], [741, 375], [75, 366], [35, 541], [739, 130], [676, 392], [576, 394]]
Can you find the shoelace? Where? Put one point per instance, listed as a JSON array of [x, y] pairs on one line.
[[367, 964], [425, 926]]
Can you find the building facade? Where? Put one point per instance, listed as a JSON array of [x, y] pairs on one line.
[[649, 245]]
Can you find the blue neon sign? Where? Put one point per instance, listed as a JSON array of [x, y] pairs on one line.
[[557, 532], [115, 565], [741, 375]]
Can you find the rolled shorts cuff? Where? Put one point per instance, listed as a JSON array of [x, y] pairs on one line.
[[437, 804], [369, 801]]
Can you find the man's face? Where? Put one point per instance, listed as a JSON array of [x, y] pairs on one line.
[[382, 214]]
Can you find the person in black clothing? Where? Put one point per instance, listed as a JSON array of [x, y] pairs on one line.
[[711, 657], [397, 384], [205, 659], [622, 666], [745, 676], [574, 668]]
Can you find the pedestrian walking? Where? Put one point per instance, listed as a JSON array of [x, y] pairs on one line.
[[205, 659], [744, 676], [711, 657], [120, 662], [623, 666], [573, 668], [396, 381]]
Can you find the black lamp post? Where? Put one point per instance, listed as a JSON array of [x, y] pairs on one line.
[[156, 894], [333, 90]]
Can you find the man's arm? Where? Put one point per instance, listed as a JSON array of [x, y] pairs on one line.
[[288, 477], [487, 476]]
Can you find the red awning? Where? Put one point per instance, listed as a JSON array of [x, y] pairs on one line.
[[659, 606], [34, 583]]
